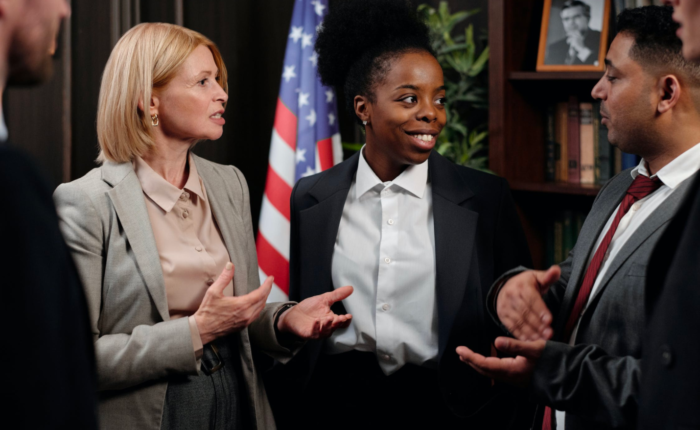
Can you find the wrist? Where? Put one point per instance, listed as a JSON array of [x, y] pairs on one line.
[[281, 322], [204, 332]]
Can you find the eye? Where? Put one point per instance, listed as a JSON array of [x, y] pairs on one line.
[[410, 99], [441, 101], [203, 82], [610, 78]]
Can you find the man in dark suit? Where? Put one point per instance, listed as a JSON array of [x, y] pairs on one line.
[[581, 44], [670, 391], [48, 360], [592, 306]]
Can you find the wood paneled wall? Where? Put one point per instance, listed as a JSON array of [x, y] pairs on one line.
[[55, 122]]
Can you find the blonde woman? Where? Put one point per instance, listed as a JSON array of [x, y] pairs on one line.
[[157, 232]]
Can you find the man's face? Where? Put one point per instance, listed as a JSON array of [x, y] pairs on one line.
[[627, 105], [574, 20], [34, 40], [687, 14]]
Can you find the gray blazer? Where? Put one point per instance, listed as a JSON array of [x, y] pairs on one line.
[[597, 381], [104, 220]]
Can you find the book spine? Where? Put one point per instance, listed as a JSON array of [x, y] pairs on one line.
[[569, 233], [574, 141], [559, 240], [550, 148], [629, 161], [587, 144], [549, 247], [560, 125]]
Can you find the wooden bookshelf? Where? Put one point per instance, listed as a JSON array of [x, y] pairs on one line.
[[518, 98]]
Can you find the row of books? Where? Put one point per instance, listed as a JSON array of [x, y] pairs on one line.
[[577, 149], [629, 4], [561, 236]]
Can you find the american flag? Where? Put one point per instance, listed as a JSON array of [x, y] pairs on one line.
[[305, 140]]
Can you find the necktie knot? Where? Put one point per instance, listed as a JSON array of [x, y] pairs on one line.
[[643, 186]]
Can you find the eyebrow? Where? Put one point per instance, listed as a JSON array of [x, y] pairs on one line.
[[609, 63], [413, 87]]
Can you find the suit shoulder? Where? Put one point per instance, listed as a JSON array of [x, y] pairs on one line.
[[487, 182], [87, 191]]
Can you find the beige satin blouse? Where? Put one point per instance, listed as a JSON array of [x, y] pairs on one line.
[[192, 251]]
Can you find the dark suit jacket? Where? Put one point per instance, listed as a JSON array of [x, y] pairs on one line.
[[558, 51], [597, 381], [670, 390], [49, 365], [477, 236]]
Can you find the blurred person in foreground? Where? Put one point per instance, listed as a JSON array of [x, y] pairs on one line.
[[48, 360], [592, 306], [157, 233], [670, 393]]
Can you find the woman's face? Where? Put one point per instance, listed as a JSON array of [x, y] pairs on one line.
[[190, 107], [408, 111]]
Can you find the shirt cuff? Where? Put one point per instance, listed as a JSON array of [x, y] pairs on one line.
[[196, 340]]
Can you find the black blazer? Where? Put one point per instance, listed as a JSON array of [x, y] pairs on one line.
[[670, 389], [49, 365], [477, 236]]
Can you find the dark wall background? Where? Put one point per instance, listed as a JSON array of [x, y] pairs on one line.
[[56, 121]]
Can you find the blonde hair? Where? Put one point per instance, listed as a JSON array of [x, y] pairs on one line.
[[146, 58]]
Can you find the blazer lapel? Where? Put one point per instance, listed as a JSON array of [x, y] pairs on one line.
[[229, 222], [592, 227], [656, 220], [129, 203], [321, 221], [455, 238]]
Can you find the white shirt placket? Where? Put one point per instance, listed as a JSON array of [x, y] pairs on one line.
[[386, 282]]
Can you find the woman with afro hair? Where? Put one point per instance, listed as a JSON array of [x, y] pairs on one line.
[[419, 238]]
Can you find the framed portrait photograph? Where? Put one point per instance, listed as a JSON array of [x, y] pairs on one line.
[[574, 35]]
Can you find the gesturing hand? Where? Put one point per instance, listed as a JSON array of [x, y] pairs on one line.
[[313, 317], [219, 315], [516, 371], [520, 306]]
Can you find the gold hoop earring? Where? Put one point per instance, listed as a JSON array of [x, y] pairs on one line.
[[154, 120]]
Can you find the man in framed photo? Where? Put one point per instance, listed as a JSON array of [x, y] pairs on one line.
[[581, 43]]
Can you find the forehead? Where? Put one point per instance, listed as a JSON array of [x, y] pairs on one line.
[[572, 11], [416, 68], [619, 52], [199, 60]]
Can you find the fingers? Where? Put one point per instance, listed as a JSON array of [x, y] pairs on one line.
[[259, 295], [518, 347], [522, 310], [546, 279], [223, 280], [341, 293]]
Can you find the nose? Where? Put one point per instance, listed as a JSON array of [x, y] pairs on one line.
[[598, 92], [427, 112], [66, 10], [221, 95]]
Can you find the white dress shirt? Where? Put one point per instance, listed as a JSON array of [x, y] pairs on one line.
[[672, 175], [3, 128], [385, 249]]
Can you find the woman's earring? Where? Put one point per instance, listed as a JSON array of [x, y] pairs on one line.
[[364, 123], [154, 120]]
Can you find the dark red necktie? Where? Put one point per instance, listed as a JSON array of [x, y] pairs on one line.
[[641, 187]]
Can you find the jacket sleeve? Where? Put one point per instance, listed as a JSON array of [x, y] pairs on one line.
[[125, 359], [584, 380], [262, 331]]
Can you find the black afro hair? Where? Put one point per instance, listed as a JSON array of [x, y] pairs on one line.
[[358, 40]]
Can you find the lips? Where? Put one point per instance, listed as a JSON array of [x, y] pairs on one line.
[[216, 117], [423, 138]]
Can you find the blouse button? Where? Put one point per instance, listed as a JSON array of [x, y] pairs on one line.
[[184, 196], [198, 248], [185, 213], [210, 282]]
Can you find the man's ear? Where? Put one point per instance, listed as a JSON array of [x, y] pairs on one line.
[[669, 91], [363, 109]]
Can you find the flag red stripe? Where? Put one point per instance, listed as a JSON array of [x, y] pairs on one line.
[[273, 263], [286, 124], [278, 192], [325, 153]]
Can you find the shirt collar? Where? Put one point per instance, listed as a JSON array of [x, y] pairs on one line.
[[3, 128], [414, 179], [675, 172], [162, 192]]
